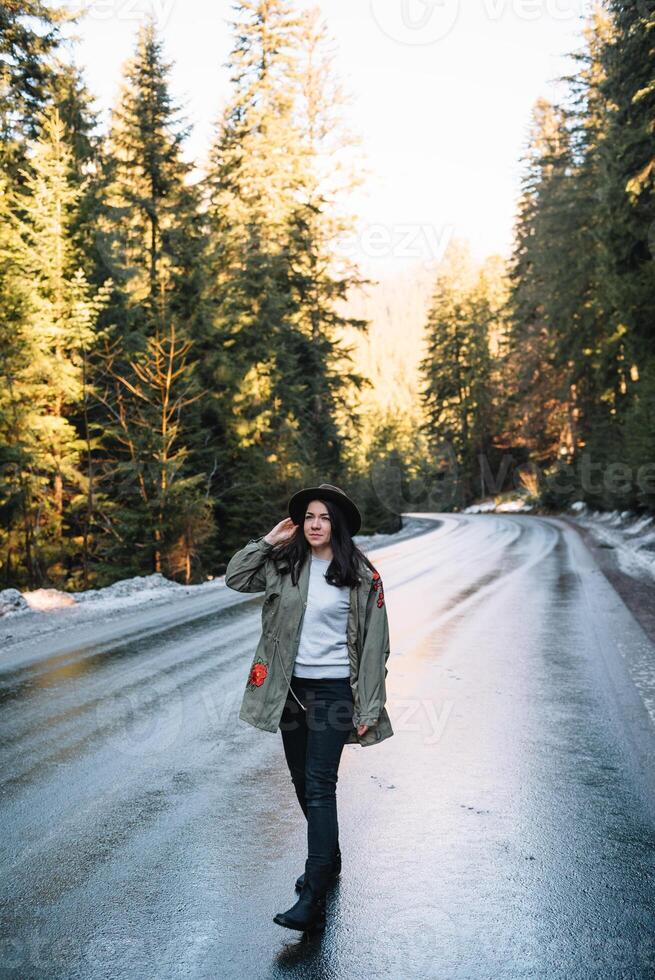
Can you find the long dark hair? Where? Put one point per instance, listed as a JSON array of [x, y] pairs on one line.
[[344, 569]]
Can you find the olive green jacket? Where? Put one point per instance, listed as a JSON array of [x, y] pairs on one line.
[[269, 677]]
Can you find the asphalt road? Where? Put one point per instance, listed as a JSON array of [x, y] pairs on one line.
[[506, 830]]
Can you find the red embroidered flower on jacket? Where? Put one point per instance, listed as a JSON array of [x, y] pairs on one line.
[[258, 673], [377, 584]]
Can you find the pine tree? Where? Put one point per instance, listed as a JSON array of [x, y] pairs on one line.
[[59, 316], [317, 372], [16, 530], [627, 170], [589, 345], [158, 516], [540, 394], [628, 178], [252, 175], [153, 240], [30, 35], [592, 344], [69, 94], [276, 360], [457, 367]]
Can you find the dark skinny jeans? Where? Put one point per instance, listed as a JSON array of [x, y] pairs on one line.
[[313, 741]]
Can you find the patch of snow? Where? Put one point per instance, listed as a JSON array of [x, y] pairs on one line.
[[129, 587], [639, 525], [11, 601], [611, 517], [632, 536], [515, 506], [484, 507], [43, 600]]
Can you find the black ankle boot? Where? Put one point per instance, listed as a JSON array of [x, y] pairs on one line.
[[309, 911], [334, 874]]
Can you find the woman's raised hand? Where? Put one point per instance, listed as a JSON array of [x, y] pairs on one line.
[[282, 532]]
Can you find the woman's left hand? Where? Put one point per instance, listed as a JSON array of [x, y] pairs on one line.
[[362, 729]]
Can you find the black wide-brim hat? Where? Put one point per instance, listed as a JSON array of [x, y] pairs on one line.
[[298, 504]]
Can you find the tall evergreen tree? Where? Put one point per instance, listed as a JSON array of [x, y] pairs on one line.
[[628, 171], [539, 404], [59, 315], [589, 344], [30, 35], [275, 364], [627, 163], [252, 173], [457, 367], [157, 513], [16, 530], [70, 95], [592, 341], [316, 372], [151, 225], [154, 239]]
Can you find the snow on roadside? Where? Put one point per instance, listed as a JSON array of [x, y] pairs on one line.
[[124, 594], [512, 506], [632, 536], [41, 613], [484, 507], [31, 613]]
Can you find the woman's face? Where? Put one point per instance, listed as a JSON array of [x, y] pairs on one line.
[[317, 525]]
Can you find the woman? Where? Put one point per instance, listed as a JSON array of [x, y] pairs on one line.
[[320, 666]]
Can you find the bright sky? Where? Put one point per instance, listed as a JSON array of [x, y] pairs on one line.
[[442, 90]]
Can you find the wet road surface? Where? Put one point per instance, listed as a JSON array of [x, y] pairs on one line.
[[506, 830]]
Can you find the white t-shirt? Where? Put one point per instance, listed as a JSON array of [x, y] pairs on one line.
[[323, 646]]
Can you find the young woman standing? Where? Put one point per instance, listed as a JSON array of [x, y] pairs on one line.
[[320, 666]]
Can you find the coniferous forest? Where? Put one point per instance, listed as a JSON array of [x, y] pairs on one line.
[[179, 349]]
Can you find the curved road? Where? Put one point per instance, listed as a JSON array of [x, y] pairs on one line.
[[507, 830]]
